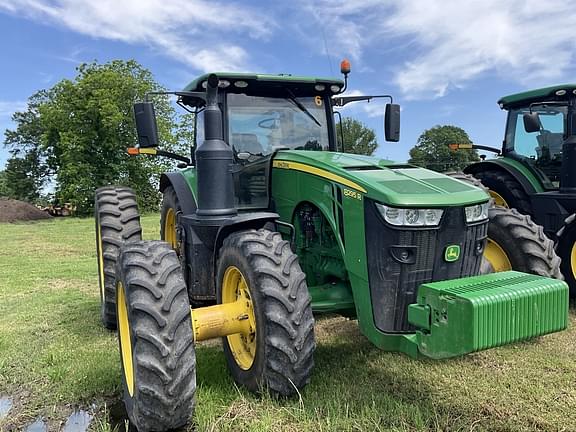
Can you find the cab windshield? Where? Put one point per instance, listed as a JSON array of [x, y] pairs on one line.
[[258, 126]]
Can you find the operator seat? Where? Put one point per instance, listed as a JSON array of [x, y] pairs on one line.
[[549, 142], [247, 142]]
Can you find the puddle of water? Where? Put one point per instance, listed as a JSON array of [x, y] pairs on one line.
[[5, 405], [78, 421], [37, 426]]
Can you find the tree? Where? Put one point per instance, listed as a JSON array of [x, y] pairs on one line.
[[26, 170], [83, 126], [432, 150], [23, 177], [3, 185], [358, 138]]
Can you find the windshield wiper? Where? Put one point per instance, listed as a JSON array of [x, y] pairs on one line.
[[301, 107]]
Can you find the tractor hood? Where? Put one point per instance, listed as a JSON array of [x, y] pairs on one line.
[[382, 180]]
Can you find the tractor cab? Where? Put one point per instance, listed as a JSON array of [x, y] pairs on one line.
[[264, 114]]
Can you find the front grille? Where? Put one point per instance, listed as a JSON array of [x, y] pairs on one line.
[[394, 281]]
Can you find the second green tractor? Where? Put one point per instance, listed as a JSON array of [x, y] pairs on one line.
[[534, 171]]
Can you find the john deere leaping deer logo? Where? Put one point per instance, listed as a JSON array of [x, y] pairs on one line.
[[452, 253]]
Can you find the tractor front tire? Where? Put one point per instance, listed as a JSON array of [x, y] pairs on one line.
[[515, 242], [117, 222], [505, 190], [566, 250], [278, 357], [155, 336]]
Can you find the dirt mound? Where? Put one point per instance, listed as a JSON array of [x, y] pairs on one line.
[[14, 211]]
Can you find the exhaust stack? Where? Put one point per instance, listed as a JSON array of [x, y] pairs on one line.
[[214, 159]]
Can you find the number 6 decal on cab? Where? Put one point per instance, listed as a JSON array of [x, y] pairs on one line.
[[318, 100]]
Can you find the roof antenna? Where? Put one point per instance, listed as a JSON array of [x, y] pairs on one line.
[[326, 48]]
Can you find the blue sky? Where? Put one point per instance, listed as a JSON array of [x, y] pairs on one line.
[[445, 61]]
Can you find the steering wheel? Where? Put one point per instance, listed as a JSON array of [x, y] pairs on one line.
[[269, 123]]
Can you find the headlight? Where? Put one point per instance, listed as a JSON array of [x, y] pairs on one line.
[[411, 216], [477, 212]]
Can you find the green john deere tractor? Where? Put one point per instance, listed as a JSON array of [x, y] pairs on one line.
[[534, 171], [267, 224]]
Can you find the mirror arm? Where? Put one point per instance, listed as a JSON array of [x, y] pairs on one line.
[[341, 101], [133, 151], [175, 156]]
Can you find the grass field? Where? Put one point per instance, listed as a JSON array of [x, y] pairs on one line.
[[54, 356]]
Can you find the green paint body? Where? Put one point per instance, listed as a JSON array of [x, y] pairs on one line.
[[391, 184]]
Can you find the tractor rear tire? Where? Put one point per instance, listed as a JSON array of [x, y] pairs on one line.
[[566, 250], [515, 242], [505, 190], [281, 361], [155, 337], [169, 217], [117, 222]]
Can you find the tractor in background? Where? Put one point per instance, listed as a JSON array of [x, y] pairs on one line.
[[267, 224], [534, 171]]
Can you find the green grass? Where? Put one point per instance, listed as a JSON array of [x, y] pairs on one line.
[[55, 355]]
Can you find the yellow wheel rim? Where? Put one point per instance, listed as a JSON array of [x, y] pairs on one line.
[[170, 228], [100, 259], [498, 200], [242, 345], [573, 260], [497, 257], [125, 339]]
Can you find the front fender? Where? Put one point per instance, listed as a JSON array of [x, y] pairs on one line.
[[182, 189]]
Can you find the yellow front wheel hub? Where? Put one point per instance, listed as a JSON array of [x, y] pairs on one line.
[[125, 339], [170, 228], [498, 200], [242, 345], [497, 257]]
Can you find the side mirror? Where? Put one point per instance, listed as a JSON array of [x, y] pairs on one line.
[[392, 122], [532, 122], [146, 127]]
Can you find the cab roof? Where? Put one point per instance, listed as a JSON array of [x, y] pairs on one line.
[[536, 95], [262, 81]]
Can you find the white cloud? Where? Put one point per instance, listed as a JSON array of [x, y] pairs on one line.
[[7, 108], [448, 43], [198, 33]]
